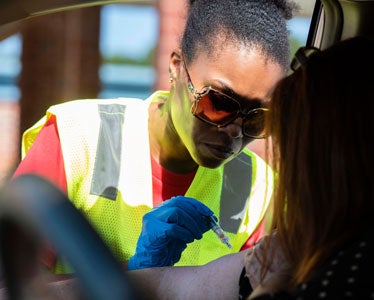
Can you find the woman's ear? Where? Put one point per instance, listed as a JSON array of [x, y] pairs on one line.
[[174, 64]]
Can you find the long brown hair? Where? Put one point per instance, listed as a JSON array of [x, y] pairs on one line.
[[322, 128]]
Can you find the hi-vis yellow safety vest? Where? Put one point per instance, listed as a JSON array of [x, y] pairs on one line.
[[106, 155]]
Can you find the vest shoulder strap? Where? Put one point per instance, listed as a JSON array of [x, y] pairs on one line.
[[236, 189]]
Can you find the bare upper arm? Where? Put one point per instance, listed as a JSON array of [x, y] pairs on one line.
[[218, 279]]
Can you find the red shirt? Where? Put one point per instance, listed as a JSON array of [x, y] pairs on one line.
[[45, 157]]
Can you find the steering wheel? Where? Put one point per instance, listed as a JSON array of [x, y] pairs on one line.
[[33, 210]]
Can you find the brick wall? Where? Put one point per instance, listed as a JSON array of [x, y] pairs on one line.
[[172, 16]]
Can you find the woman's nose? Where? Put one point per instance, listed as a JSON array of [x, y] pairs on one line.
[[234, 129]]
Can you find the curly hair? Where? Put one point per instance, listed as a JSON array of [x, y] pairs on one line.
[[257, 24]]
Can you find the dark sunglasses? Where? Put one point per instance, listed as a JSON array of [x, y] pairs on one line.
[[216, 108]]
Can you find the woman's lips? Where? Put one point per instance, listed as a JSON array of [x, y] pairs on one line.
[[221, 152]]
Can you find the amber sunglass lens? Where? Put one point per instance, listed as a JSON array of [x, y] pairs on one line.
[[254, 124], [217, 108]]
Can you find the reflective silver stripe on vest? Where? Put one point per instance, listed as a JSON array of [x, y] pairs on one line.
[[236, 187], [108, 154]]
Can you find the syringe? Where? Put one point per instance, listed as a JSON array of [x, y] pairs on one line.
[[218, 231]]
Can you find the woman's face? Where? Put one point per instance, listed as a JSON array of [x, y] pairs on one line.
[[244, 74]]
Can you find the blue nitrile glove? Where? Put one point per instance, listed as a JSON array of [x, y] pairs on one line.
[[166, 231]]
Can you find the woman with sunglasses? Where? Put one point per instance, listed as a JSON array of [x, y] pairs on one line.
[[118, 158]]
